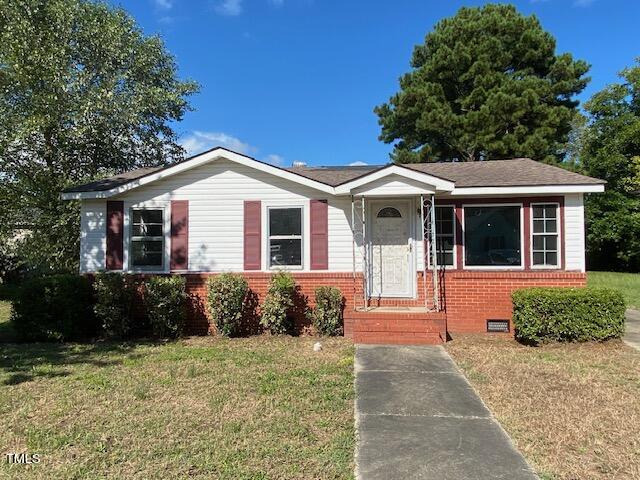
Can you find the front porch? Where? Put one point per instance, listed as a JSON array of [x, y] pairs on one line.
[[395, 257]]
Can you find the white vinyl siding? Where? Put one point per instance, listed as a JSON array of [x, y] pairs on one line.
[[574, 232], [93, 236], [216, 193]]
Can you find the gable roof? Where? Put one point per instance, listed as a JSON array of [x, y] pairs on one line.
[[518, 172], [489, 173]]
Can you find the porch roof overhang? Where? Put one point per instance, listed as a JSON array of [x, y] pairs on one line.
[[395, 180]]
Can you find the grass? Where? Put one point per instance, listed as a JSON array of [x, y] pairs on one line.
[[572, 409], [6, 329], [255, 408], [627, 283]]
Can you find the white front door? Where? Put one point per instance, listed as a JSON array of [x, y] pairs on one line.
[[390, 247]]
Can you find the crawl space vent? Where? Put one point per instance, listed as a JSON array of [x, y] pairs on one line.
[[498, 326]]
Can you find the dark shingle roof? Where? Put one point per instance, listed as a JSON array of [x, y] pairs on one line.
[[504, 173], [334, 175], [493, 173], [113, 182]]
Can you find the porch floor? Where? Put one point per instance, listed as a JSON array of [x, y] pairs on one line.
[[398, 309]]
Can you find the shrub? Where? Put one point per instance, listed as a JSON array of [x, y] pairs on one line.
[[54, 308], [277, 303], [327, 314], [165, 301], [226, 294], [567, 314], [114, 293]]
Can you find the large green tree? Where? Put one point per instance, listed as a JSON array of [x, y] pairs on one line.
[[83, 93], [486, 83], [610, 149]]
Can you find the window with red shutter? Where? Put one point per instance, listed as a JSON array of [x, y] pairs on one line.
[[319, 235], [179, 235], [115, 228], [252, 235]]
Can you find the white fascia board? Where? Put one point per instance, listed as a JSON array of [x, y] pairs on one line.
[[196, 162], [439, 183], [526, 190]]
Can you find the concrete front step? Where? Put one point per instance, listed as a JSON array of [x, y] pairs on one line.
[[397, 327]]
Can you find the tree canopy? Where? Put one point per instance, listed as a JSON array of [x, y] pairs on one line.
[[486, 83], [83, 94], [610, 149]]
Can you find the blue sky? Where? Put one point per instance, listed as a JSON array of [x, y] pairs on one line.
[[285, 80]]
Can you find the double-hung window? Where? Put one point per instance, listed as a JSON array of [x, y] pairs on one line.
[[545, 252], [285, 236], [445, 235], [147, 238]]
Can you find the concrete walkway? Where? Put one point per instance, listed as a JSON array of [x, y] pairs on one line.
[[418, 418], [632, 329]]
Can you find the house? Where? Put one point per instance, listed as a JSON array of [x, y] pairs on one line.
[[418, 250]]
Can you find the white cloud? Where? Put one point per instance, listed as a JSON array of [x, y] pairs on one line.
[[198, 141], [274, 159], [358, 164], [229, 8], [163, 4]]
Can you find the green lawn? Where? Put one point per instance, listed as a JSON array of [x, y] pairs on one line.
[[6, 329], [627, 283], [255, 408]]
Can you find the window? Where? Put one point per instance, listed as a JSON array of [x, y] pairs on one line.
[[147, 238], [492, 236], [445, 234], [545, 235], [285, 237], [389, 212]]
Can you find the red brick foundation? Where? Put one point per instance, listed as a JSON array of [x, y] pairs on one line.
[[469, 299], [472, 297]]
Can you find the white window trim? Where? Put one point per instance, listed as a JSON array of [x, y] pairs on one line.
[[493, 267], [455, 238], [128, 223], [559, 228], [268, 237]]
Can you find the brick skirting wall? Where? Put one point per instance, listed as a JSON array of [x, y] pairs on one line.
[[307, 282], [472, 297], [469, 298]]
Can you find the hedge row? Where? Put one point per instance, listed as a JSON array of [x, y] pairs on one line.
[[567, 314], [67, 307], [71, 307], [228, 296]]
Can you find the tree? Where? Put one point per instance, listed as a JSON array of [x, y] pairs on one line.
[[83, 94], [610, 149], [486, 83]]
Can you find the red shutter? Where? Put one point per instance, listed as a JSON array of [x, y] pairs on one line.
[[252, 235], [115, 228], [179, 234], [319, 235]]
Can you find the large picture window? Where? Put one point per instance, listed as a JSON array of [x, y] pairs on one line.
[[285, 237], [545, 235], [492, 236], [147, 238], [445, 235]]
